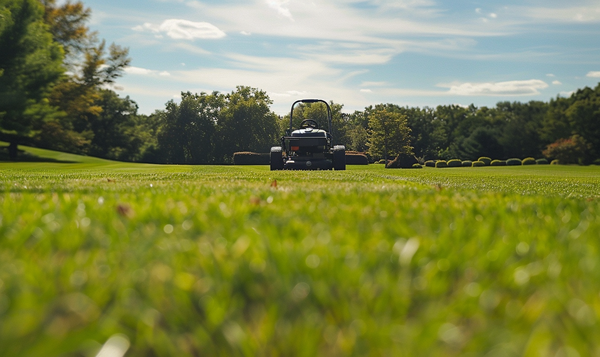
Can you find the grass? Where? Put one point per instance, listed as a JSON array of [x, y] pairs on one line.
[[220, 260]]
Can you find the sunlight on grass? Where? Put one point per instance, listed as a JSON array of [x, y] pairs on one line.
[[189, 260]]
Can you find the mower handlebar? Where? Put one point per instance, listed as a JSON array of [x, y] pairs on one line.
[[312, 101]]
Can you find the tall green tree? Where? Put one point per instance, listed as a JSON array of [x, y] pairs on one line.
[[246, 123], [389, 134], [30, 63], [187, 133], [92, 66], [115, 129]]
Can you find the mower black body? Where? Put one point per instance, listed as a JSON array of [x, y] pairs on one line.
[[308, 147]]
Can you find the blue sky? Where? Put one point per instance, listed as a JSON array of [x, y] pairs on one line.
[[355, 52]]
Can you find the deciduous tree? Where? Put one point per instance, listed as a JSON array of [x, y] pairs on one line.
[[30, 63], [389, 134]]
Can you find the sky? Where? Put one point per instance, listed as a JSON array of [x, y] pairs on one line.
[[357, 53]]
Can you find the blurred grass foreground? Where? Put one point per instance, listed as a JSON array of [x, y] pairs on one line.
[[111, 259]]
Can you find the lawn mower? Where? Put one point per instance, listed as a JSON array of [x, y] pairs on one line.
[[308, 147]]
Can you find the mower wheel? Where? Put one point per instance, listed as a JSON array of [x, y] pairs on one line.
[[339, 157], [276, 158]]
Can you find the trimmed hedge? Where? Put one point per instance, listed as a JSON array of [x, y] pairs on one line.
[[454, 163], [528, 161], [498, 163], [513, 162], [441, 163], [467, 163], [541, 161], [356, 158], [555, 162], [430, 163], [486, 160], [478, 164], [251, 158], [417, 166]]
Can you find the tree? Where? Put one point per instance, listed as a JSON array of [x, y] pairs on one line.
[[67, 24], [115, 134], [30, 63], [483, 141], [187, 132], [91, 67], [568, 151], [520, 132], [246, 123], [389, 134]]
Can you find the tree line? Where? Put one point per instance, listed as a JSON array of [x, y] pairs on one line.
[[55, 92]]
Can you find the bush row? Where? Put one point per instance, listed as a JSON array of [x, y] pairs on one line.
[[486, 161]]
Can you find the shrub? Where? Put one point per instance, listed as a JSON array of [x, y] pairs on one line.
[[528, 161], [467, 163], [417, 166], [513, 162], [555, 162], [251, 158], [454, 163], [430, 163], [486, 160], [541, 161], [478, 164], [382, 161], [498, 163], [356, 158], [441, 163]]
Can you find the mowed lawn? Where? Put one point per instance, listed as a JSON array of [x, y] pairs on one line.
[[236, 260]]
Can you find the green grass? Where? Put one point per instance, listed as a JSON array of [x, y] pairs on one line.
[[215, 260], [36, 155]]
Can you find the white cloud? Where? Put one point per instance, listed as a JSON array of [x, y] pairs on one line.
[[510, 88], [366, 90], [556, 83], [373, 84], [593, 74], [279, 6], [145, 72], [550, 75], [566, 94], [245, 33], [183, 29], [568, 13], [291, 93]]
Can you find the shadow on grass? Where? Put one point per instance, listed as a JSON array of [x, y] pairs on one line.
[[24, 156]]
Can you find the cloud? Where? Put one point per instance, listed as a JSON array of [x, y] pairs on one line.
[[510, 88], [568, 14], [145, 72], [278, 5], [593, 74], [373, 84], [556, 83], [366, 90], [183, 29]]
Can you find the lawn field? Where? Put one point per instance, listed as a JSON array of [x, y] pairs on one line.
[[150, 260]]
